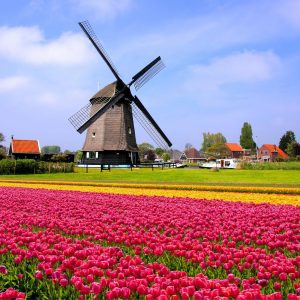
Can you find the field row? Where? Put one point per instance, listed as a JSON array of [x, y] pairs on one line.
[[70, 245], [179, 191]]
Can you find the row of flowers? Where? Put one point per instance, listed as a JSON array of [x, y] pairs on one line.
[[294, 190], [168, 191], [70, 243]]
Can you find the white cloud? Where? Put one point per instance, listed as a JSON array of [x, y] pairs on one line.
[[28, 45], [243, 67], [13, 83], [103, 9]]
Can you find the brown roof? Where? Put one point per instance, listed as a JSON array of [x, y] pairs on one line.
[[234, 147], [274, 148], [25, 146], [106, 92], [192, 153]]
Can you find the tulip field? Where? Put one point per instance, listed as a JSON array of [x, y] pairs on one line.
[[87, 241]]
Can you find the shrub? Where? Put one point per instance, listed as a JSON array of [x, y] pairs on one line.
[[7, 166], [25, 166], [285, 165], [30, 166]]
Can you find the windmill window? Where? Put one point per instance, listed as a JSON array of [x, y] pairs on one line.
[[93, 134], [129, 130], [92, 154]]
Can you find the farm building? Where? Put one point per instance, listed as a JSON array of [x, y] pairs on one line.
[[269, 152], [190, 155], [20, 149], [235, 150]]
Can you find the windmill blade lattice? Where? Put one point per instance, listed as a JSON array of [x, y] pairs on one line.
[[147, 73], [89, 110], [148, 127], [88, 30]]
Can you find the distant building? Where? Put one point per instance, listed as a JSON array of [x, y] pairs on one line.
[[269, 152], [235, 150], [190, 155], [21, 149]]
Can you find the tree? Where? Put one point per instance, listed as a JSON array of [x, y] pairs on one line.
[[166, 156], [146, 151], [50, 150], [246, 137], [159, 151], [210, 139], [218, 150], [59, 157], [293, 149], [286, 139], [2, 152], [2, 148], [78, 155]]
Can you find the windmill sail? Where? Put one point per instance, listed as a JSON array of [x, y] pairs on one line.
[[88, 30], [95, 108], [147, 122], [147, 73], [108, 117]]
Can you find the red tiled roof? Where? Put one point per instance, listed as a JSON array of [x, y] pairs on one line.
[[25, 146], [274, 148], [192, 153], [234, 147]]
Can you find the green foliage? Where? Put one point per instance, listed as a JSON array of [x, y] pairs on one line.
[[50, 150], [59, 157], [146, 152], [286, 139], [145, 147], [2, 152], [30, 166], [211, 139], [25, 166], [165, 156], [7, 166], [78, 155], [2, 148], [293, 149], [284, 165], [159, 151], [246, 137], [218, 150]]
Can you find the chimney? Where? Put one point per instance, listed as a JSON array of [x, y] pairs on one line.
[[12, 136]]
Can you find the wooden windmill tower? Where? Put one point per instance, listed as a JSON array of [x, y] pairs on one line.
[[108, 117]]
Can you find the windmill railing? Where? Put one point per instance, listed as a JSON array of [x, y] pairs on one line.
[[154, 166]]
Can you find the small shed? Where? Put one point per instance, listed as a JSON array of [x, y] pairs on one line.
[[21, 149]]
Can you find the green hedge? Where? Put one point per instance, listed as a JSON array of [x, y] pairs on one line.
[[30, 166], [285, 165]]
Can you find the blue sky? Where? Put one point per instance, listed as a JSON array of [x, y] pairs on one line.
[[227, 62]]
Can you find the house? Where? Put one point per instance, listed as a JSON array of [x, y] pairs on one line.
[[20, 149], [269, 152], [235, 150], [190, 155]]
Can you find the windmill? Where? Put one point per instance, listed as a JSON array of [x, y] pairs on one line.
[[108, 117]]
